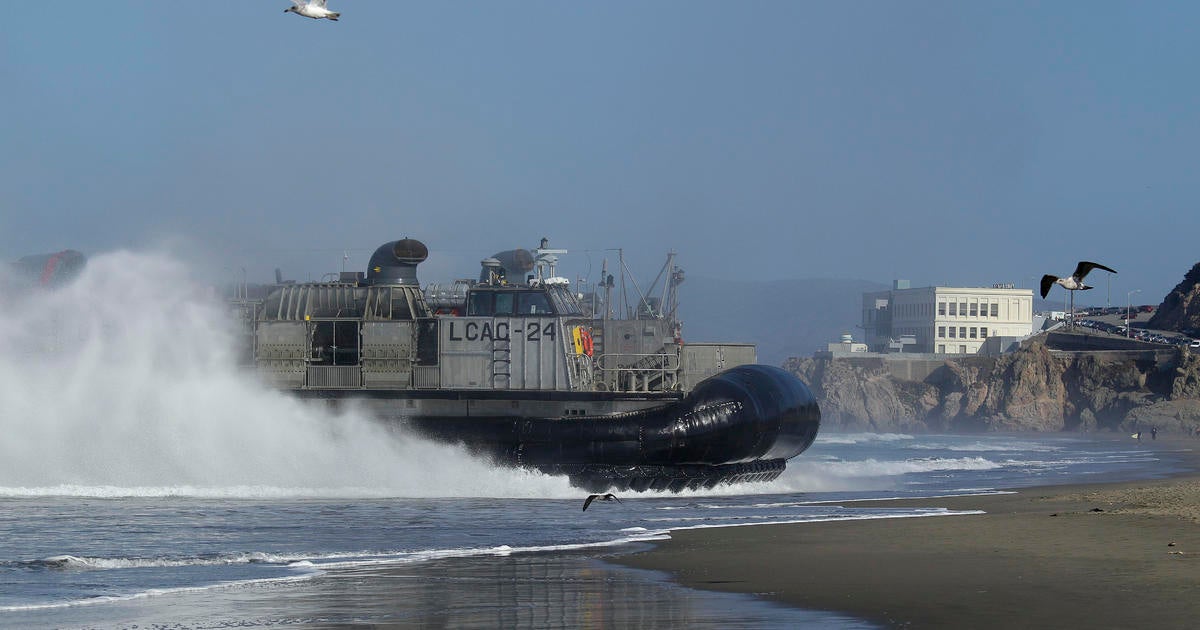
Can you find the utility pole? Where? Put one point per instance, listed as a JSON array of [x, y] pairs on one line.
[[1128, 308]]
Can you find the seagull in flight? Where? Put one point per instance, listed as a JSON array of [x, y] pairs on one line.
[[314, 9], [1075, 281], [599, 497]]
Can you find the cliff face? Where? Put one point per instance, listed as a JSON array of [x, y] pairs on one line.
[[1180, 310], [1028, 390], [857, 397]]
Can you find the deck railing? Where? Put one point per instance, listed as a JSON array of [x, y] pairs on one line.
[[653, 372]]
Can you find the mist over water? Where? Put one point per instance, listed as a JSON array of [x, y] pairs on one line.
[[124, 383]]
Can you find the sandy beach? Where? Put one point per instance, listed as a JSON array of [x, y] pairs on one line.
[[1097, 556]]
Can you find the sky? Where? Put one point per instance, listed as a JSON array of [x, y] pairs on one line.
[[947, 143]]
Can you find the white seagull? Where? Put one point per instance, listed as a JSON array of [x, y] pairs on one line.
[[1075, 281], [314, 9]]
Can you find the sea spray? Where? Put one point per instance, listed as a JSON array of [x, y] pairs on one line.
[[124, 383]]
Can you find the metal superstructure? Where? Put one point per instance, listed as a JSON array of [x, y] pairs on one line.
[[526, 371]]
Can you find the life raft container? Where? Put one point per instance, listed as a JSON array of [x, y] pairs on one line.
[[582, 340], [586, 338]]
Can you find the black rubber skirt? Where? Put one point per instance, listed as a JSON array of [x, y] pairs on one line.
[[746, 420]]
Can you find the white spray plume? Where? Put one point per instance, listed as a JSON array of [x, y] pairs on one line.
[[123, 382]]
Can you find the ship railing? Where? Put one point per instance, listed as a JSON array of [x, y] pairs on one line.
[[648, 372], [580, 366]]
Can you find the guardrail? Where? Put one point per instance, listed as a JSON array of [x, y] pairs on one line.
[[655, 372]]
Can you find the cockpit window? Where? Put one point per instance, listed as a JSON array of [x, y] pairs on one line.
[[491, 303], [504, 303], [552, 301], [534, 304], [480, 304]]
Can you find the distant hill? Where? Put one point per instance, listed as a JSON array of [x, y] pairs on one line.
[[784, 318]]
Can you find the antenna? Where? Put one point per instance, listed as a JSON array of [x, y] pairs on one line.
[[671, 298], [545, 259], [624, 297], [642, 301], [606, 281]]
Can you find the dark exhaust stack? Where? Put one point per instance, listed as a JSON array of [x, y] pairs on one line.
[[396, 262]]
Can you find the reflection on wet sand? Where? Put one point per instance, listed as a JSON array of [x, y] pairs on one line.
[[545, 590], [538, 590]]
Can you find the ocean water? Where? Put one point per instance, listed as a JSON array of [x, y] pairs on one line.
[[79, 555], [144, 482]]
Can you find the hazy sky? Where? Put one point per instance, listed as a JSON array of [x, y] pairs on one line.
[[943, 142]]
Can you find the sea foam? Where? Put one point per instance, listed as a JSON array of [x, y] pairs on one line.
[[123, 383]]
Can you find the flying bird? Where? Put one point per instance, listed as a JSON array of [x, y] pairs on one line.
[[599, 497], [314, 9], [1075, 281]]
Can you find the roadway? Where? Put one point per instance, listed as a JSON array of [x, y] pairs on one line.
[[1114, 324]]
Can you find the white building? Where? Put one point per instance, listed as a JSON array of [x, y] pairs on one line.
[[846, 345], [946, 320]]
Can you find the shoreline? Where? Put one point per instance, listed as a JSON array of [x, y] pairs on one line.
[[932, 571], [1104, 555]]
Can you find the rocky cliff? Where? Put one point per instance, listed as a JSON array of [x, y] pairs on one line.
[[1032, 389], [1180, 310]]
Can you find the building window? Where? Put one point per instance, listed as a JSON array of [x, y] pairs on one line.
[[962, 332], [995, 310], [983, 332], [954, 309], [942, 332], [962, 349], [941, 308], [974, 310], [952, 329], [941, 348], [973, 332]]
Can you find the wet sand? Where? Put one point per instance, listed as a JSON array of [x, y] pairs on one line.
[[1097, 556], [535, 590]]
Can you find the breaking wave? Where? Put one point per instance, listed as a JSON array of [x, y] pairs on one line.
[[861, 438], [123, 383], [982, 447]]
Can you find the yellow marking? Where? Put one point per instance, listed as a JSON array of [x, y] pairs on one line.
[[577, 337]]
